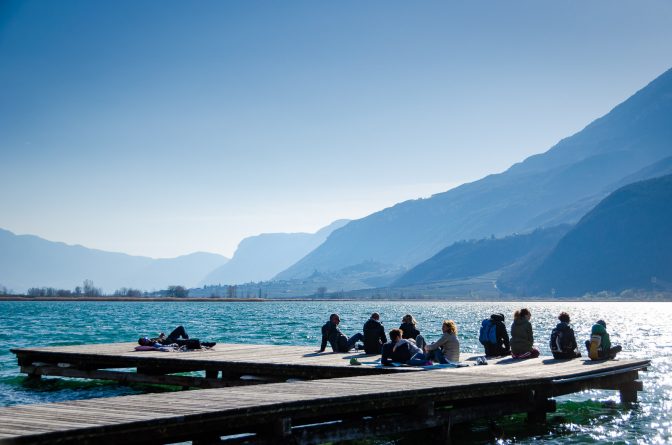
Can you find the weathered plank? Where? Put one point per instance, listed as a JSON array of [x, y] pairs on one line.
[[457, 394]]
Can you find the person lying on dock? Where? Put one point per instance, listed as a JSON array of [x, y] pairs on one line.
[[522, 339], [494, 337], [409, 327], [374, 334], [447, 348], [399, 350], [339, 342], [599, 346], [563, 342], [178, 337]]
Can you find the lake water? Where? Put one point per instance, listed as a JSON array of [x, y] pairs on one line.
[[643, 329]]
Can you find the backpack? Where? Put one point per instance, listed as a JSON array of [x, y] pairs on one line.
[[595, 345], [559, 341], [488, 332]]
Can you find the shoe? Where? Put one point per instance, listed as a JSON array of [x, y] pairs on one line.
[[208, 344]]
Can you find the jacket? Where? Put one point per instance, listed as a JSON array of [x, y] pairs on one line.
[[402, 353], [409, 330], [450, 346], [562, 339], [374, 336], [600, 330], [522, 339], [502, 347], [332, 333]]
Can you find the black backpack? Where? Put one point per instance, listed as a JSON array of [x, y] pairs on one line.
[[560, 341]]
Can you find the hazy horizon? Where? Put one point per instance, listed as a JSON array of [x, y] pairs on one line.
[[162, 129]]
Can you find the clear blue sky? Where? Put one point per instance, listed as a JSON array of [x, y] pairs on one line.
[[166, 127]]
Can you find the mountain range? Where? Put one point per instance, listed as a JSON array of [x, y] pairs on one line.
[[625, 242], [29, 261], [634, 140], [261, 257]]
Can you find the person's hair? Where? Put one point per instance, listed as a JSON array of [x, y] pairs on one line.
[[408, 318], [331, 317], [396, 333], [375, 316], [564, 317], [521, 313], [452, 327], [144, 341]]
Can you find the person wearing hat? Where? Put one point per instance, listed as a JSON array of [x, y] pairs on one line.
[[599, 346]]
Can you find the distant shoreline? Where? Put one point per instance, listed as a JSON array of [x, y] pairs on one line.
[[304, 299]]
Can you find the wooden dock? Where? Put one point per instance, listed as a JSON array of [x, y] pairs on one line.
[[306, 412], [222, 366]]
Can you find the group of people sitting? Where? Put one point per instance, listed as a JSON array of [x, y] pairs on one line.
[[407, 345]]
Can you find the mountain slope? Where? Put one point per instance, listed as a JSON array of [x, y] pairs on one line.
[[261, 257], [29, 261], [472, 258], [633, 135], [624, 242]]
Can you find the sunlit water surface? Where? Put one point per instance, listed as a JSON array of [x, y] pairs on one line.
[[643, 329]]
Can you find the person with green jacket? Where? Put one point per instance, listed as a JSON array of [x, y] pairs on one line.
[[599, 346], [522, 339]]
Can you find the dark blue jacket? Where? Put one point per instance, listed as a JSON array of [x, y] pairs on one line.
[[374, 336], [331, 333]]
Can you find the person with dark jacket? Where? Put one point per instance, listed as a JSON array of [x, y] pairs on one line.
[[563, 342], [374, 334], [332, 333], [495, 329], [599, 346], [178, 337], [522, 339], [399, 350], [409, 327]]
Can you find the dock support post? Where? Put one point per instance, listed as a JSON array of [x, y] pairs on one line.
[[541, 405], [628, 392]]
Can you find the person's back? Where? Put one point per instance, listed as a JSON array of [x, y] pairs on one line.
[[494, 337], [399, 350], [409, 327], [599, 346], [374, 335], [522, 339], [395, 352], [563, 342]]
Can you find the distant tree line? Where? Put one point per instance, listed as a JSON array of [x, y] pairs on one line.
[[88, 289]]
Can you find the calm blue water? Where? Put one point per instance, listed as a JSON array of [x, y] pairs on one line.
[[590, 417]]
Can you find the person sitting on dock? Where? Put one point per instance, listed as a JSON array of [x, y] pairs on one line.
[[332, 333], [563, 342], [374, 334], [522, 339], [599, 346], [409, 327], [178, 336], [399, 350], [494, 337], [447, 348]]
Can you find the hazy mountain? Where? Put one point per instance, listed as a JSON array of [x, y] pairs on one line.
[[624, 242], [261, 257], [632, 136], [29, 261], [467, 259]]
